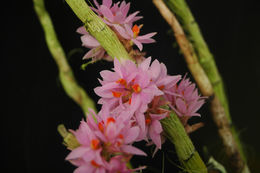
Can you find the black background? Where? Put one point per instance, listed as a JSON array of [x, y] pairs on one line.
[[37, 102]]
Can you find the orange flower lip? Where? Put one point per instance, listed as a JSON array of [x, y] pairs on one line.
[[121, 136], [101, 127], [136, 88], [161, 87], [148, 121], [136, 30], [94, 144], [121, 81], [130, 101], [95, 164], [116, 94], [110, 120]]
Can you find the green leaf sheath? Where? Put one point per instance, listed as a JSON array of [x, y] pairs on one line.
[[187, 154], [173, 127], [66, 76], [98, 29]]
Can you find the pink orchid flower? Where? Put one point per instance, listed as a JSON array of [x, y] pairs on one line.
[[115, 14], [101, 140], [96, 51], [127, 84], [133, 34], [186, 101], [162, 80]]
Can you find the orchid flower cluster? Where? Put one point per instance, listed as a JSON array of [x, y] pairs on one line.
[[134, 98], [115, 16]]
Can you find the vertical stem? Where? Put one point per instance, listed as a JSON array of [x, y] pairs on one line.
[[187, 154], [66, 76]]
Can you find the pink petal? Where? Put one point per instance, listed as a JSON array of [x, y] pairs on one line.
[[146, 36], [158, 116], [96, 3], [89, 41], [119, 18], [130, 17], [84, 169], [106, 12], [89, 155], [122, 31], [136, 18], [156, 126], [77, 153], [132, 150], [109, 75], [128, 30], [156, 138], [111, 131], [107, 3], [104, 94], [145, 64], [138, 44], [181, 105], [117, 67], [91, 53], [155, 69], [145, 41], [132, 134], [100, 170], [136, 102], [140, 120], [82, 30], [100, 136], [124, 8]]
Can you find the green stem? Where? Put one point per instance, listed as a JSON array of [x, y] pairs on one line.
[[98, 29], [187, 154], [206, 59], [66, 76]]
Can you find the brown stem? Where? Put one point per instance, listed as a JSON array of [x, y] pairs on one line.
[[231, 149], [187, 49], [218, 111]]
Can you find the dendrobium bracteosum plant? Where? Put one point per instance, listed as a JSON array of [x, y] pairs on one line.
[[135, 96]]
